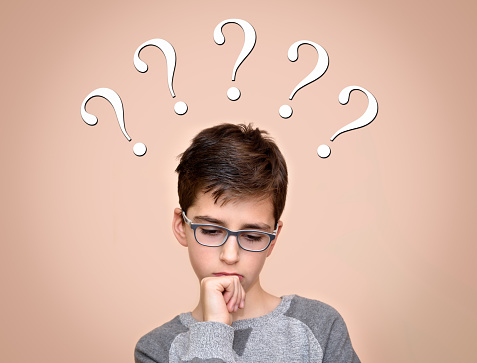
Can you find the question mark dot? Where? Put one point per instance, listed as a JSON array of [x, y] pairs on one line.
[[324, 151], [139, 149], [285, 111], [180, 108], [233, 93]]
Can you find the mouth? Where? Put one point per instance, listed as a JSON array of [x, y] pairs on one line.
[[228, 274]]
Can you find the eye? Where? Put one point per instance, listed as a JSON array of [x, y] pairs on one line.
[[211, 231], [253, 237]]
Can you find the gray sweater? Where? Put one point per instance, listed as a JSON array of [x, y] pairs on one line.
[[298, 330]]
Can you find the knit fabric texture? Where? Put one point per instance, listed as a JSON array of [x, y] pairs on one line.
[[298, 330]]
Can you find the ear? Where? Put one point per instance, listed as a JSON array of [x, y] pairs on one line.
[[272, 245], [178, 225]]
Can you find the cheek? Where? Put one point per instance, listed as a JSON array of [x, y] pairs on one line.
[[255, 263], [201, 258]]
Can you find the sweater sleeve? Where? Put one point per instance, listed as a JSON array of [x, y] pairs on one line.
[[209, 342], [206, 342], [338, 348], [327, 326]]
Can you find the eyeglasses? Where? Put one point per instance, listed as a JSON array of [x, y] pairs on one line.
[[215, 236]]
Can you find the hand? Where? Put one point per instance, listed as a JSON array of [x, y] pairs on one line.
[[220, 297]]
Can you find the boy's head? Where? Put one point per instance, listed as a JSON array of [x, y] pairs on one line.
[[231, 162]]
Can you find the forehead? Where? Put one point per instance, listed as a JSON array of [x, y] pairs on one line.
[[241, 210]]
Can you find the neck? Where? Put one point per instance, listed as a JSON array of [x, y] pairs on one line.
[[258, 302]]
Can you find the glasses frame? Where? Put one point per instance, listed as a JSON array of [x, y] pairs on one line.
[[194, 227]]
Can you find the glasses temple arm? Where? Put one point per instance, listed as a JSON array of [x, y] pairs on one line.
[[187, 220]]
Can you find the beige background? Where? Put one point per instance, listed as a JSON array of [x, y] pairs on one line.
[[383, 230]]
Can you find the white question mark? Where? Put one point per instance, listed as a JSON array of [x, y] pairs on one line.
[[233, 93], [139, 148], [366, 118], [180, 107], [286, 111]]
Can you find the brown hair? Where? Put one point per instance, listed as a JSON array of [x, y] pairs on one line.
[[233, 161]]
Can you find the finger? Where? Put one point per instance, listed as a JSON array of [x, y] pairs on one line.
[[242, 301], [235, 298], [229, 289], [239, 294], [239, 298], [231, 302]]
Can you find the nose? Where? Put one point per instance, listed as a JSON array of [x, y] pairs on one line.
[[230, 251]]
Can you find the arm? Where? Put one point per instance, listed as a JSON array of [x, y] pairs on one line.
[[210, 340], [338, 348], [207, 342], [328, 328], [204, 342]]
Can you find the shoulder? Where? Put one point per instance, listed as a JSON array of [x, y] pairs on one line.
[[311, 311], [322, 319], [155, 345], [327, 326]]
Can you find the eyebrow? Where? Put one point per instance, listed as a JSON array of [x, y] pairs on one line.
[[255, 226]]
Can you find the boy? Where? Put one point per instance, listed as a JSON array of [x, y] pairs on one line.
[[232, 190]]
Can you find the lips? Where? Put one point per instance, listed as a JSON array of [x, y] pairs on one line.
[[228, 274]]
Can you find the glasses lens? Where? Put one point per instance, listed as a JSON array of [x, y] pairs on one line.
[[253, 241], [210, 235]]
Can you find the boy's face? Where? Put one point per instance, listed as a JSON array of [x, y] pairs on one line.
[[229, 258]]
